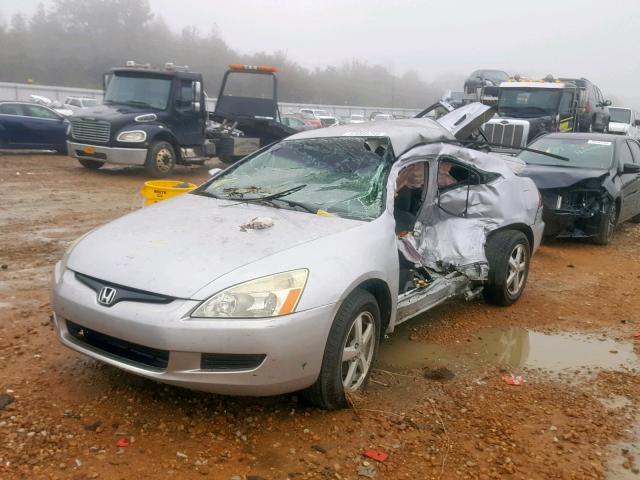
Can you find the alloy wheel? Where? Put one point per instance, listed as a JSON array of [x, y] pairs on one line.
[[357, 352], [517, 269]]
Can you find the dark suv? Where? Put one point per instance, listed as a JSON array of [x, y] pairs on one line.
[[488, 80], [593, 112]]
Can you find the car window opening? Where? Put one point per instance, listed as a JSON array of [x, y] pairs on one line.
[[409, 196]]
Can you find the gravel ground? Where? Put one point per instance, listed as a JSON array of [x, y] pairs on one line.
[[437, 404]]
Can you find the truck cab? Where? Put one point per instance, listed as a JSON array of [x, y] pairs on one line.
[[527, 109], [150, 117], [246, 116]]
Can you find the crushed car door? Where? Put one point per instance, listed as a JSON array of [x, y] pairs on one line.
[[447, 183]]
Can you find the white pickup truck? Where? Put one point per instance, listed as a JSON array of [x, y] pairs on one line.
[[624, 121]]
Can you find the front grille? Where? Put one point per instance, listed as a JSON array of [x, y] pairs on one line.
[[509, 135], [128, 352], [90, 130], [122, 293], [223, 361]]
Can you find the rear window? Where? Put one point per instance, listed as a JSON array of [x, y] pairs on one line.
[[580, 152]]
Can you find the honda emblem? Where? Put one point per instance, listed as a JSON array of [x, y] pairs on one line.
[[106, 296]]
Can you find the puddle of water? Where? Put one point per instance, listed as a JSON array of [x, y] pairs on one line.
[[513, 348], [626, 452]]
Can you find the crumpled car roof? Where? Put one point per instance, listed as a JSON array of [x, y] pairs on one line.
[[403, 134]]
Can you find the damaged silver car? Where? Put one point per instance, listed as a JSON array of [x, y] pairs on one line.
[[285, 271]]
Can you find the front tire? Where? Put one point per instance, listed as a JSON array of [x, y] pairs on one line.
[[351, 349], [161, 159], [607, 225], [509, 256], [90, 164]]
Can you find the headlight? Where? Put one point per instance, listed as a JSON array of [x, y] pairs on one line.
[[134, 136], [263, 297]]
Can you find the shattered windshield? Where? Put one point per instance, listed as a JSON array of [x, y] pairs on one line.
[[528, 102], [620, 115], [581, 153], [342, 176]]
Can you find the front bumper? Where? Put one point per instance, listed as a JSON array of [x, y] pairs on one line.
[[120, 156], [292, 346]]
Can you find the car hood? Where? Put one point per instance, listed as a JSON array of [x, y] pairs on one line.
[[111, 112], [178, 246], [549, 176]]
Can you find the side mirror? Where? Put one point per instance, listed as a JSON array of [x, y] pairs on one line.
[[637, 122], [630, 168], [197, 93], [105, 80], [214, 171]]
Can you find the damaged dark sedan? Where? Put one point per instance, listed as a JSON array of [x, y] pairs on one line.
[[590, 183]]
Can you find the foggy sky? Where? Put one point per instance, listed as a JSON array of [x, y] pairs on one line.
[[596, 39]]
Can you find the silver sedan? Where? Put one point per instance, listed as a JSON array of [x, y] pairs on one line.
[[285, 271]]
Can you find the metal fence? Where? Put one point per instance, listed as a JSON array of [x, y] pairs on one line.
[[22, 92]]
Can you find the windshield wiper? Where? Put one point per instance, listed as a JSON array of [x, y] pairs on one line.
[[281, 194], [268, 199], [293, 203], [526, 149], [135, 103]]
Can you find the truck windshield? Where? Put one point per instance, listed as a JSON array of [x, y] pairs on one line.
[[339, 176], [138, 91], [528, 102], [581, 152], [620, 115]]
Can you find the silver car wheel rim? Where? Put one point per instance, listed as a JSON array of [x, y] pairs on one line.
[[164, 160], [357, 351], [517, 271]]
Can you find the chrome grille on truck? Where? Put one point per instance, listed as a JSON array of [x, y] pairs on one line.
[[506, 135], [90, 130]]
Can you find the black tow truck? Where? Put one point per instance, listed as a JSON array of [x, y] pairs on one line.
[[158, 118]]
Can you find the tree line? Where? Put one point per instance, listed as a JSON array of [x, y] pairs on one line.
[[73, 42]]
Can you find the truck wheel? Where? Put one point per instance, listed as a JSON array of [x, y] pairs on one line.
[[90, 164], [161, 158], [350, 351], [509, 255], [607, 225]]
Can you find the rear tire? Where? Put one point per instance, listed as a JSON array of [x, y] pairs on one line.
[[509, 256], [607, 225], [351, 349], [90, 164], [161, 159]]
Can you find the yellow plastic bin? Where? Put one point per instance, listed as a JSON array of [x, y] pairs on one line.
[[155, 191]]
